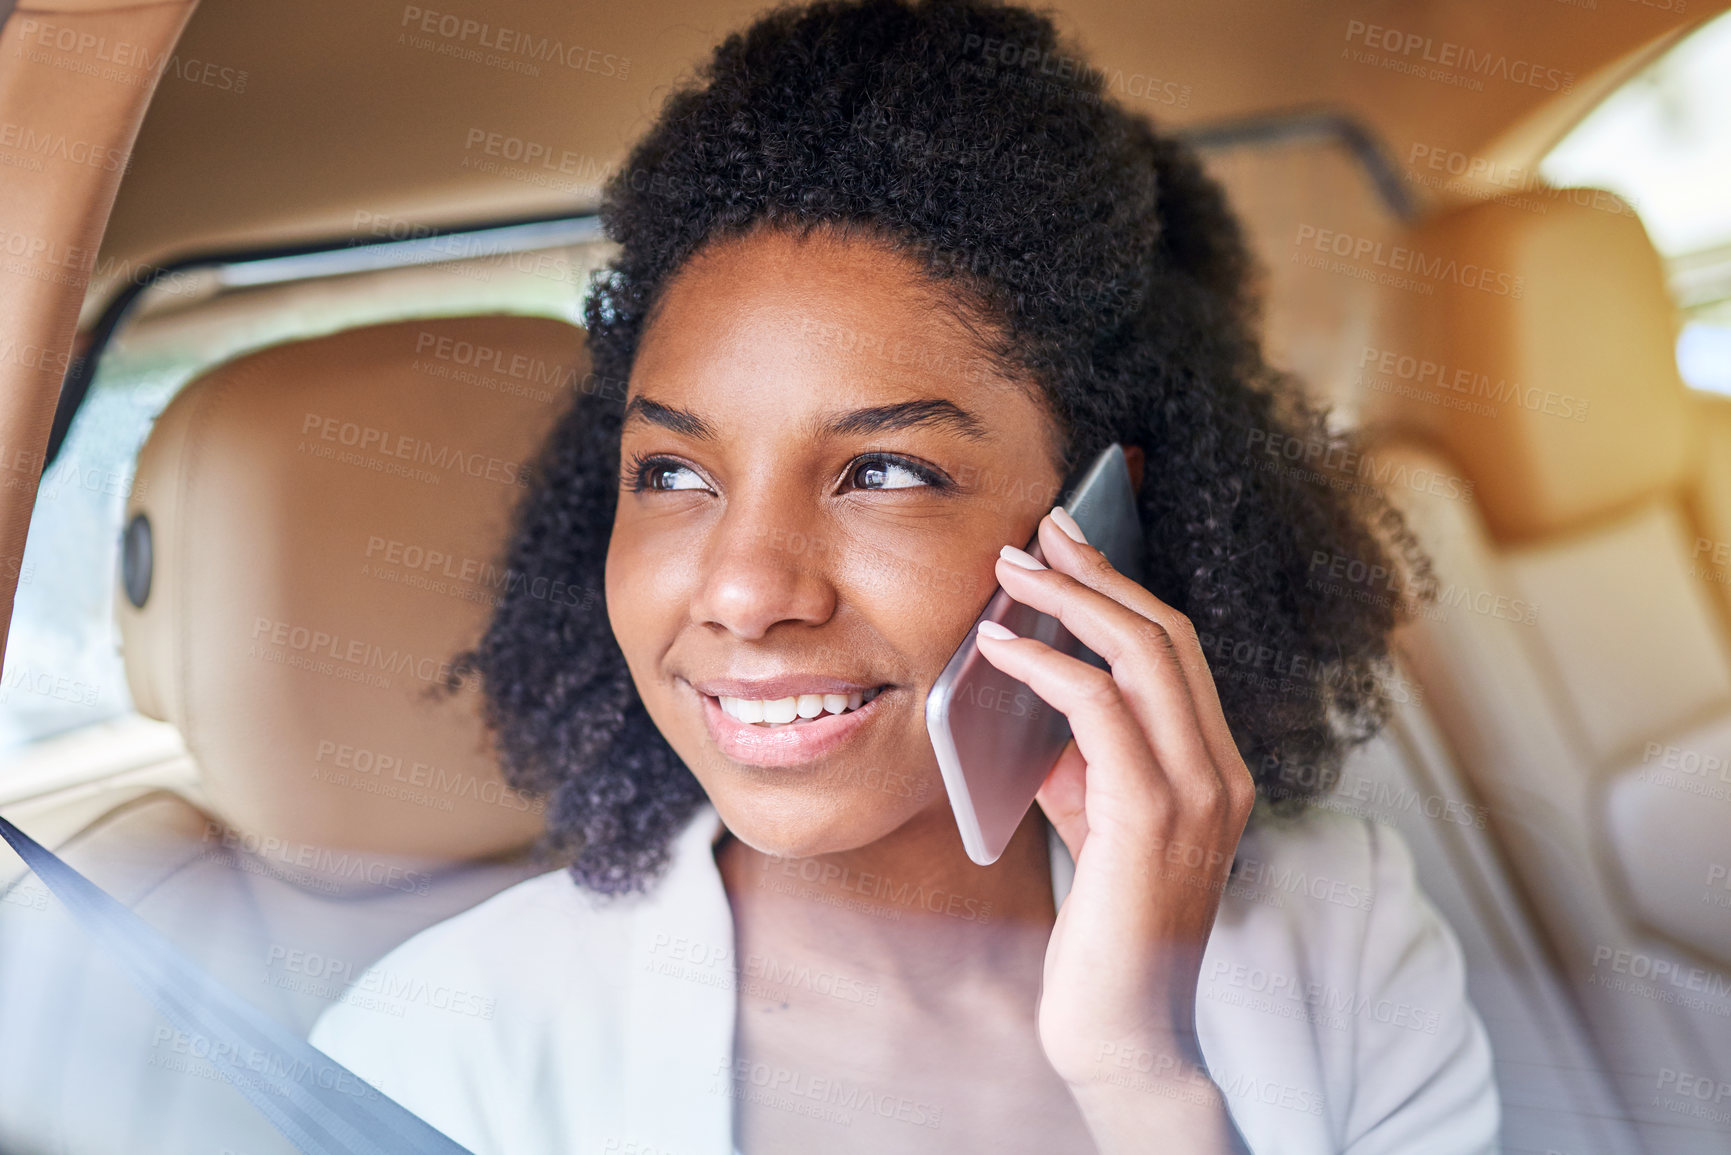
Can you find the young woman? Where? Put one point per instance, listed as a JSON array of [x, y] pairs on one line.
[[887, 272]]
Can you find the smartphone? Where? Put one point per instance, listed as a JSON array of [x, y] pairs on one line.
[[996, 740]]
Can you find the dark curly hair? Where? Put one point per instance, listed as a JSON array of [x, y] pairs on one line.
[[1109, 271]]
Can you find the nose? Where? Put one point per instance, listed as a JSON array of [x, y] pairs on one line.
[[761, 570]]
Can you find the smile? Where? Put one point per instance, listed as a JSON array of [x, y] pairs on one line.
[[789, 731], [793, 710]]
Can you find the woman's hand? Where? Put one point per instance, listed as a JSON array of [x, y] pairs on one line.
[[1151, 797]]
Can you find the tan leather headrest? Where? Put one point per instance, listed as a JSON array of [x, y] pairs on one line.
[[328, 520], [1542, 359]]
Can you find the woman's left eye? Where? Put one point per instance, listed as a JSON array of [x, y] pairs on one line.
[[660, 474], [889, 473]]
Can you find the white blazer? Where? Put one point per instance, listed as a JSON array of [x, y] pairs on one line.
[[1332, 1008]]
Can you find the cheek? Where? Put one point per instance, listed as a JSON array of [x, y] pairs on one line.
[[633, 609], [613, 581], [921, 596]]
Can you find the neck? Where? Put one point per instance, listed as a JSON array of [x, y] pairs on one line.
[[910, 904]]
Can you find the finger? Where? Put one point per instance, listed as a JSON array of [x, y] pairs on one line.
[[1092, 568], [1144, 663], [1106, 733]]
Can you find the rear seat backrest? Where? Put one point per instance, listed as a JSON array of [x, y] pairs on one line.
[[1629, 637], [1573, 643], [327, 522]]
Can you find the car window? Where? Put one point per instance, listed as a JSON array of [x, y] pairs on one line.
[[1663, 143]]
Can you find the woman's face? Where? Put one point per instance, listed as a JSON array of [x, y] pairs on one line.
[[818, 468]]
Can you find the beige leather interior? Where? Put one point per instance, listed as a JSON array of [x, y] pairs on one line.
[[1555, 1091], [1665, 814], [1624, 632], [328, 518], [1710, 502], [53, 216], [1555, 421], [440, 139], [1595, 723]]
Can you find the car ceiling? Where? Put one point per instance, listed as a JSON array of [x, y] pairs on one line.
[[278, 124]]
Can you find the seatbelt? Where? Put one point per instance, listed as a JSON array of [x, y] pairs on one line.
[[321, 1106]]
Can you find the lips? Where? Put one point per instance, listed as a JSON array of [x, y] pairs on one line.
[[789, 743]]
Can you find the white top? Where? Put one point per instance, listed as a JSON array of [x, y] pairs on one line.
[[547, 1021]]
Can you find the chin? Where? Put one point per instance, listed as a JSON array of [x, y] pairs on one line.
[[796, 824]]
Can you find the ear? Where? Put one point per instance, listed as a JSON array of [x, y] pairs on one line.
[[1133, 457]]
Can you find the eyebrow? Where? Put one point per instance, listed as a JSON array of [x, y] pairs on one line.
[[935, 412], [682, 421]]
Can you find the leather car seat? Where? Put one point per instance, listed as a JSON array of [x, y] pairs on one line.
[[315, 530], [1576, 658]]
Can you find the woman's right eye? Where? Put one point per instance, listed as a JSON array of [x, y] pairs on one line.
[[663, 473]]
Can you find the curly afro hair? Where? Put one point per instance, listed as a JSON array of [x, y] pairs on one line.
[[1108, 270]]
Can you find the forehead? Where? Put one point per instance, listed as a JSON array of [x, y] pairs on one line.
[[810, 323]]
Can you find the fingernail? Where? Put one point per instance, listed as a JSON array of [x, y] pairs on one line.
[[1020, 557], [1068, 524], [993, 630]]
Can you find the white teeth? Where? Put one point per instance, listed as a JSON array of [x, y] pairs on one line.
[[745, 709], [783, 710]]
